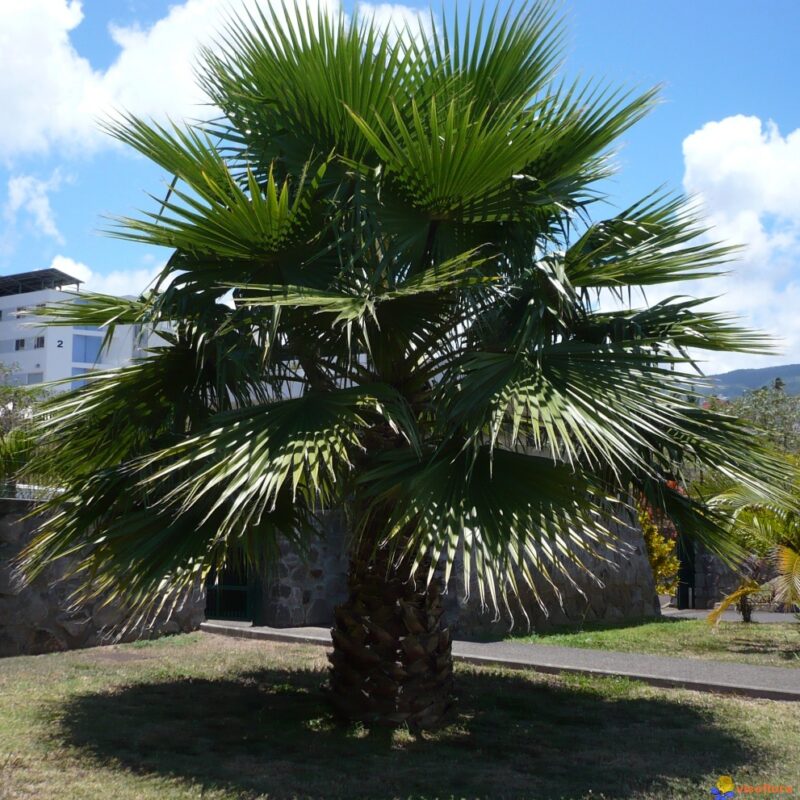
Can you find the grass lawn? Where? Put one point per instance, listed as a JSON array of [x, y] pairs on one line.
[[203, 716], [774, 645]]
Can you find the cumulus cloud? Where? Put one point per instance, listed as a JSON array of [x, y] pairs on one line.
[[119, 282], [29, 196], [55, 96], [45, 84], [402, 21], [742, 159], [746, 173]]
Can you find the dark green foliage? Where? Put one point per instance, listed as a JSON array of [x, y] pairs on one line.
[[777, 412]]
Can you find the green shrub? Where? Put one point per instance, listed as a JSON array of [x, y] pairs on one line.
[[660, 552]]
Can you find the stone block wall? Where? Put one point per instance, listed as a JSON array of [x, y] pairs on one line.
[[304, 589], [39, 618], [618, 587], [713, 578], [305, 592]]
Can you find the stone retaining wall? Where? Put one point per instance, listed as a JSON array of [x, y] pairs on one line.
[[713, 578], [622, 588], [305, 592], [37, 617]]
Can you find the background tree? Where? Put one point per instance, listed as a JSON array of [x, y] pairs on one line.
[[405, 222], [768, 532], [17, 405], [775, 412]]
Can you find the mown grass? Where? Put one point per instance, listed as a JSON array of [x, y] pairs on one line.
[[203, 716], [774, 645]]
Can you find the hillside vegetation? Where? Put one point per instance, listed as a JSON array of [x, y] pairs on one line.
[[734, 384]]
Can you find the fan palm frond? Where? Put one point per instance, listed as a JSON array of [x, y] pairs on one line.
[[787, 562]]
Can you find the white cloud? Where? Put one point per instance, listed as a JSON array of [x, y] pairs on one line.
[[44, 83], [55, 96], [402, 21], [30, 196], [740, 162], [118, 282], [746, 174]]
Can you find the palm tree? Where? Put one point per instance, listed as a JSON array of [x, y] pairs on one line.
[[404, 222], [770, 533]]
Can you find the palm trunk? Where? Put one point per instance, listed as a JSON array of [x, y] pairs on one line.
[[745, 605], [391, 662]]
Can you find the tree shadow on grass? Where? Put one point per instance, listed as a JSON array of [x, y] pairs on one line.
[[783, 650], [270, 733]]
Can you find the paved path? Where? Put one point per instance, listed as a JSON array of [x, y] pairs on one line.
[[773, 683], [769, 617]]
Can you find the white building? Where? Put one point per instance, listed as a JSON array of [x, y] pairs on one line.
[[40, 354]]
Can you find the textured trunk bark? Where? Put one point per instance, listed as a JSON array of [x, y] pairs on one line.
[[391, 662], [745, 605]]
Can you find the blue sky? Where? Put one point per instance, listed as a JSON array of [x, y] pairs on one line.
[[728, 129]]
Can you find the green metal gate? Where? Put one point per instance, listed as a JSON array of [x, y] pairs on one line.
[[229, 593]]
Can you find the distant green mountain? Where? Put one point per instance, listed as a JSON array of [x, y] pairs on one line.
[[732, 384]]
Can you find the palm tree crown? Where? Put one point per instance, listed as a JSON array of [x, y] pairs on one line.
[[409, 225]]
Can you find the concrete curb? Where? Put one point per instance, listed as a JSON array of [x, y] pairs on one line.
[[288, 635], [746, 680]]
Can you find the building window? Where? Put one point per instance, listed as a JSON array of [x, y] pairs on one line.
[[79, 371], [35, 377], [38, 343], [21, 311], [86, 349], [1, 314], [19, 344]]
